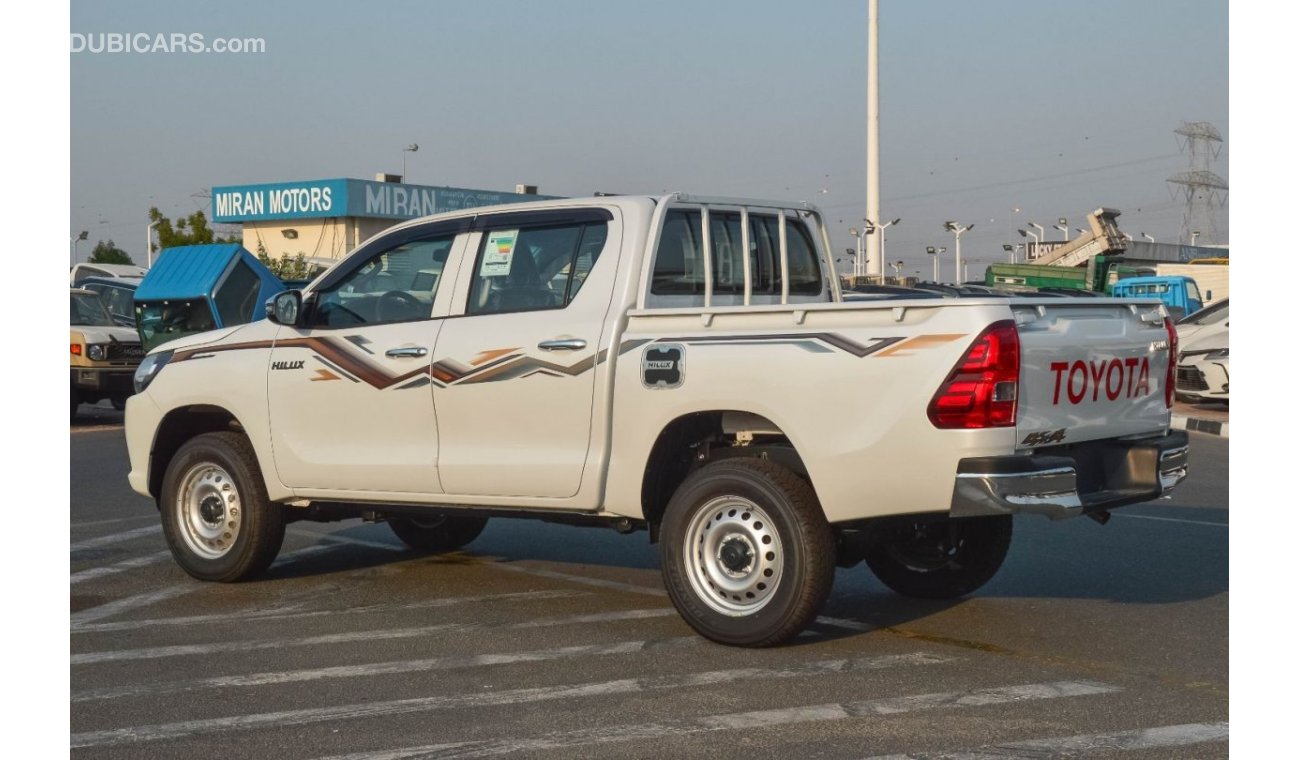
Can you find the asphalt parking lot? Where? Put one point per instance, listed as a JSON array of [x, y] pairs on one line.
[[549, 641]]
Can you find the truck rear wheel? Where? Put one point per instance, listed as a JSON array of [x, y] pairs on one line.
[[941, 559], [437, 534], [747, 555], [219, 523]]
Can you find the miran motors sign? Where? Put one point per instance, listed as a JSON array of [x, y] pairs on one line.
[[316, 199]]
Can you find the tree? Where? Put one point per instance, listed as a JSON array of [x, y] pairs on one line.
[[189, 230], [286, 268], [106, 252]]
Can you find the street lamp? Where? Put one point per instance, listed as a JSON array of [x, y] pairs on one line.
[[872, 227], [1195, 234], [408, 149], [1149, 238], [148, 242], [84, 234], [1027, 233], [1063, 225], [1042, 235], [1011, 252], [956, 230]]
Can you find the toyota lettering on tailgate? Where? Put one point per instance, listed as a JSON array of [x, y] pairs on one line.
[[1115, 378]]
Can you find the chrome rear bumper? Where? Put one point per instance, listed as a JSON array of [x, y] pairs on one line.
[[1067, 481]]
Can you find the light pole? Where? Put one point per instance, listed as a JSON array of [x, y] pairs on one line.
[[408, 149], [956, 230], [148, 243], [1195, 234], [1042, 235], [80, 237], [1063, 225], [1149, 238], [874, 254], [857, 243], [1027, 233], [872, 228], [1011, 252]]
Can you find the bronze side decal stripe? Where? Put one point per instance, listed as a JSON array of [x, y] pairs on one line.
[[922, 342], [804, 340]]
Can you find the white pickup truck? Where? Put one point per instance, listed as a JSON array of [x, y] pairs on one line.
[[680, 364]]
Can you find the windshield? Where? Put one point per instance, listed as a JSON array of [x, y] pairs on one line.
[[1208, 315], [161, 321], [88, 310]]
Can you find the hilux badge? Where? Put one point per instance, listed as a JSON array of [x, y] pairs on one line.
[[661, 365]]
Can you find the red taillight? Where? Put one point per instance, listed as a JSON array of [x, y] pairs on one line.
[[981, 390], [1171, 373]]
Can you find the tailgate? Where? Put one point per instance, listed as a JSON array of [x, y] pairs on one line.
[[1090, 368]]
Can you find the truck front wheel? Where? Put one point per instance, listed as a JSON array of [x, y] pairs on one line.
[[437, 534], [747, 555], [219, 523], [941, 559]]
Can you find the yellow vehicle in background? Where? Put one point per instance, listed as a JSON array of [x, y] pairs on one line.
[[102, 354]]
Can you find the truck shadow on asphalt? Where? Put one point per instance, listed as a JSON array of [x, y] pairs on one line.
[[1138, 561]]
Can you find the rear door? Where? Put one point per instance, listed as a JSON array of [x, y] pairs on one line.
[[516, 366], [1090, 369]]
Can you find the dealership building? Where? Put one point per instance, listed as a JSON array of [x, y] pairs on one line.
[[326, 218]]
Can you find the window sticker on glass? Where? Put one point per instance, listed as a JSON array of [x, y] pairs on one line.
[[498, 252]]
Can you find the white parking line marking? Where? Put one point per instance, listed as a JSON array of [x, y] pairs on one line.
[[1172, 519], [114, 538], [112, 521], [851, 625], [517, 696], [1120, 741], [331, 542], [151, 653], [119, 567], [445, 662], [763, 719], [129, 603], [616, 585], [296, 611]]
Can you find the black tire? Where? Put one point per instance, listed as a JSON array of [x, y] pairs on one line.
[[803, 569], [941, 559], [119, 403], [250, 528], [437, 534]]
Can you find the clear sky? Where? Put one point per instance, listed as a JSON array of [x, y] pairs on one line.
[[1046, 106]]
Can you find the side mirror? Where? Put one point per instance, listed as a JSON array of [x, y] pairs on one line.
[[285, 308]]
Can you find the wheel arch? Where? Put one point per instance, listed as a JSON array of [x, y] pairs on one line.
[[695, 438], [180, 425]]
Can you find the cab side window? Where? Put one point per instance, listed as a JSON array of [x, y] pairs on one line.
[[395, 285], [535, 268]]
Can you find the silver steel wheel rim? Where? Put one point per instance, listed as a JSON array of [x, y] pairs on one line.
[[208, 510], [733, 556]]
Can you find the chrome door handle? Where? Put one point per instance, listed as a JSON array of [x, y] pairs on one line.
[[564, 344], [409, 352]]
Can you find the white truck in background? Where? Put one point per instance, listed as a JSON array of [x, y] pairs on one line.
[[680, 364]]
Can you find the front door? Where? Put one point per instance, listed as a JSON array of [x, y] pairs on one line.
[[516, 370], [350, 401]]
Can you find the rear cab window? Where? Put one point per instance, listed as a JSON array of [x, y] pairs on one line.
[[692, 268]]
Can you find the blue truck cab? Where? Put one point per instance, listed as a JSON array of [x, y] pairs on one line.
[[196, 288], [1180, 294]]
